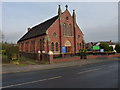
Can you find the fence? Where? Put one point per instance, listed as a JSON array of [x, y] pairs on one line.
[[52, 58], [29, 55]]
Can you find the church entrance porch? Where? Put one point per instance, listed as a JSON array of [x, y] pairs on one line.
[[68, 46]]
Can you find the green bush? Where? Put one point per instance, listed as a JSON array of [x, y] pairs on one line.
[[12, 52], [83, 50], [104, 46], [4, 52], [110, 48], [117, 48], [5, 46]]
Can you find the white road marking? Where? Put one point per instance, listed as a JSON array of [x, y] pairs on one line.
[[113, 66], [89, 70], [31, 82]]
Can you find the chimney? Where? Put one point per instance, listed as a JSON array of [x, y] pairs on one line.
[[29, 29]]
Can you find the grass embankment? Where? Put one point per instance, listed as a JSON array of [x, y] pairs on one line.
[[21, 61], [26, 61]]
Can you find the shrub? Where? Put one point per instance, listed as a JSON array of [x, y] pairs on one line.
[[83, 50], [104, 46], [12, 52], [117, 48], [5, 46], [110, 48]]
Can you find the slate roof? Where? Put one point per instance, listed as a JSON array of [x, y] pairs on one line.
[[39, 29]]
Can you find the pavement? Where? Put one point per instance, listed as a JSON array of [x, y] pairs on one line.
[[12, 68]]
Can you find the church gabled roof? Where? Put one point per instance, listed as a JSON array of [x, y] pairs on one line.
[[40, 29]]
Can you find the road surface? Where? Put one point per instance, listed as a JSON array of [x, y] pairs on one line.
[[99, 75]]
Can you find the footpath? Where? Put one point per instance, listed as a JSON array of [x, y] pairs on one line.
[[12, 68]]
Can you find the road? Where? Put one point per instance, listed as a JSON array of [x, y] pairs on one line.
[[99, 75]]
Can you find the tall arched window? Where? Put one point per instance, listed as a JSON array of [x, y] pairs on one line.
[[56, 46], [70, 30], [40, 45], [80, 45], [27, 45], [22, 46], [64, 29], [43, 43], [33, 46], [52, 46]]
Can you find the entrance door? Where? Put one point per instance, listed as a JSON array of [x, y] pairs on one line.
[[68, 49]]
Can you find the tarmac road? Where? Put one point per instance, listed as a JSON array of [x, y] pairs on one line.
[[97, 75]]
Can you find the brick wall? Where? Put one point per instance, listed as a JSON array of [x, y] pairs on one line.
[[88, 57]]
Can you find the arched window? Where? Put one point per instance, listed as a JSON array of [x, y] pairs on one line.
[[40, 45], [78, 36], [27, 45], [22, 46], [80, 45], [33, 46], [70, 30], [43, 43], [64, 29], [56, 46], [52, 46]]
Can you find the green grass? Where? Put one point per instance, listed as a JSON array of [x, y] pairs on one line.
[[0, 55], [4, 59], [45, 62], [23, 62], [26, 61], [3, 56], [30, 62]]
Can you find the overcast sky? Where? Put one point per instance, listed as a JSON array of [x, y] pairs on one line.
[[97, 20]]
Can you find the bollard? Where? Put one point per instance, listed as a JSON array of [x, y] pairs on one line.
[[50, 53]]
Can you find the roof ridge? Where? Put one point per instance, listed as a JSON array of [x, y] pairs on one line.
[[44, 21]]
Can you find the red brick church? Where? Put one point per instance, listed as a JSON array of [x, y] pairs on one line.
[[59, 34]]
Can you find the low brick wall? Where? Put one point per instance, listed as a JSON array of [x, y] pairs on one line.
[[66, 59], [50, 59], [88, 57], [103, 56]]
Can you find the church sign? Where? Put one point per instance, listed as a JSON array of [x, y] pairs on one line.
[[96, 47], [63, 49]]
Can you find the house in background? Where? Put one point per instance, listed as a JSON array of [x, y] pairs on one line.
[[90, 45], [110, 43], [59, 33]]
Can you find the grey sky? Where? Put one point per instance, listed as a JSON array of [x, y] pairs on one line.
[[97, 20]]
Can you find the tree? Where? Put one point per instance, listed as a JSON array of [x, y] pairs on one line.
[[104, 46], [117, 48], [110, 48], [12, 53]]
